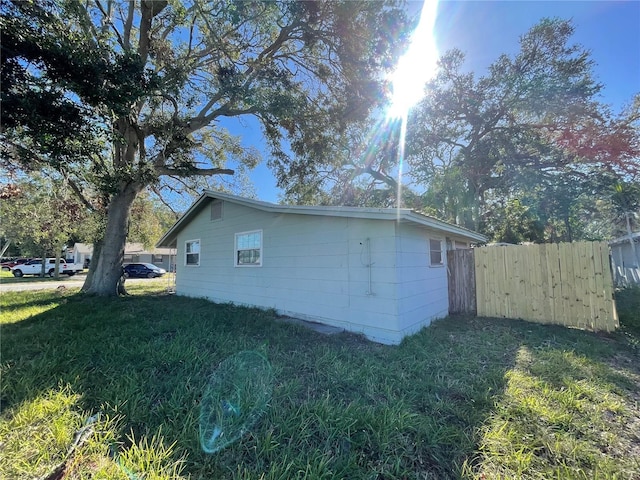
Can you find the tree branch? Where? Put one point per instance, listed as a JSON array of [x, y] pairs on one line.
[[108, 21], [190, 172], [128, 24], [161, 199], [149, 9], [376, 175], [78, 193]]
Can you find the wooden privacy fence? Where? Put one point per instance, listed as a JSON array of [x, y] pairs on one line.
[[568, 284], [462, 281]]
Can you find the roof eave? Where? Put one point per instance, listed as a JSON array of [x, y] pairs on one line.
[[169, 238]]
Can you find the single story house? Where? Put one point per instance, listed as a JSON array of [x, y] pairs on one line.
[[377, 271], [625, 256], [133, 253]]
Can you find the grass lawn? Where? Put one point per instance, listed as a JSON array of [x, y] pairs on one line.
[[465, 398]]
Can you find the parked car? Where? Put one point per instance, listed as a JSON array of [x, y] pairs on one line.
[[34, 267], [144, 270], [12, 263]]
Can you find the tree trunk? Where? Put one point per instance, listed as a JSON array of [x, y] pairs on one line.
[[106, 273], [56, 265], [4, 249], [43, 270], [95, 255], [567, 225]]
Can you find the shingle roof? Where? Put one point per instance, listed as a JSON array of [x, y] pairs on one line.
[[397, 214]]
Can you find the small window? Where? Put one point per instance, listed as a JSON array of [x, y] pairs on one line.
[[435, 247], [248, 251], [127, 259], [156, 258], [192, 253], [216, 210]]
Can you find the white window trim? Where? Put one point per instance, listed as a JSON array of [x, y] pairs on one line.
[[185, 252], [442, 254], [235, 250]]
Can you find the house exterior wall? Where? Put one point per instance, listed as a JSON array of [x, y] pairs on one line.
[[313, 267], [626, 267], [132, 254], [623, 255], [162, 261], [422, 290], [78, 255]]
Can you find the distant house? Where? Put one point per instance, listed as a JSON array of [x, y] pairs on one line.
[[80, 253], [626, 259], [133, 253], [381, 272]]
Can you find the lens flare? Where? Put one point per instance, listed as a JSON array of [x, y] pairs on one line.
[[417, 65], [236, 397]]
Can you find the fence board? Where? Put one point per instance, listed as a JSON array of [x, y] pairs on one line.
[[479, 262], [462, 281], [609, 304], [567, 284]]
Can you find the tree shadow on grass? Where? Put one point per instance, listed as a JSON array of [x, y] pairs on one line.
[[569, 409], [342, 407]]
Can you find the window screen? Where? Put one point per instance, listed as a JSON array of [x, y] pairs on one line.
[[435, 247], [249, 248], [192, 252]]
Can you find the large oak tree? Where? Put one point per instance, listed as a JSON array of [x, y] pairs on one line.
[[532, 124], [520, 152], [156, 80]]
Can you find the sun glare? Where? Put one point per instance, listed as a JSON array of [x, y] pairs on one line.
[[417, 65]]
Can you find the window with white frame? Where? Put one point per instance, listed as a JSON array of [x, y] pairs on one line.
[[248, 250], [192, 253], [435, 252]]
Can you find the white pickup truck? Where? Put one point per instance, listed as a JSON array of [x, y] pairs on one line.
[[34, 267]]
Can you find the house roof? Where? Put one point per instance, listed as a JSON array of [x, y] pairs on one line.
[[129, 249], [397, 214], [625, 239]]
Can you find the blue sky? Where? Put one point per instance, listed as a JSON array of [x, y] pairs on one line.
[[485, 29]]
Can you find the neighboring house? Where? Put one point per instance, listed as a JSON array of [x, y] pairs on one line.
[[626, 259], [81, 253], [381, 272], [133, 253]]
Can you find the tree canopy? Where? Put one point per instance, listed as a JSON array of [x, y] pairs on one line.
[[122, 96], [519, 153], [532, 123]]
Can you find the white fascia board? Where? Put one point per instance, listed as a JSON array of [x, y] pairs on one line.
[[445, 227]]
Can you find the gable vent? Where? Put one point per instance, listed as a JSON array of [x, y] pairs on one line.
[[216, 210]]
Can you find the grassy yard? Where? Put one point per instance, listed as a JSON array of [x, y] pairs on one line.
[[465, 398]]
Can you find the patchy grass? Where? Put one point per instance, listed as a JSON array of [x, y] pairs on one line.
[[628, 302], [471, 398]]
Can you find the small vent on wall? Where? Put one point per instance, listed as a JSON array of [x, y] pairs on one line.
[[216, 210]]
